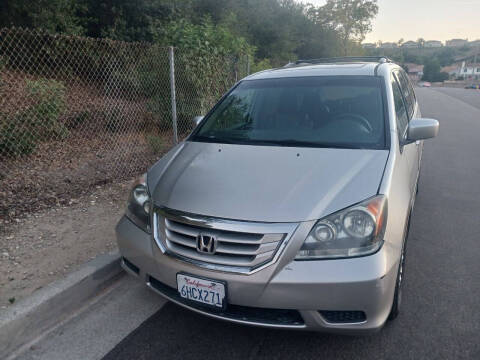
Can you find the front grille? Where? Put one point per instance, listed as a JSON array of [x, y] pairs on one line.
[[233, 248], [266, 316], [342, 317], [239, 245]]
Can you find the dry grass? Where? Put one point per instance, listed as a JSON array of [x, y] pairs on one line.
[[107, 142]]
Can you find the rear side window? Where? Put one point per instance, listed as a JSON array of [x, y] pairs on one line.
[[400, 109], [407, 91]]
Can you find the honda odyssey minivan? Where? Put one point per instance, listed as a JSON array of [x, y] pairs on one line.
[[289, 204]]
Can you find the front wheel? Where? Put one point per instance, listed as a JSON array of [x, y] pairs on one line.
[[397, 297]]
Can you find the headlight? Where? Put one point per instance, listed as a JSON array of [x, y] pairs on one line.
[[355, 231], [139, 204]]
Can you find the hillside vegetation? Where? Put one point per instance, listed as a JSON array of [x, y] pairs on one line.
[[444, 55], [272, 31]]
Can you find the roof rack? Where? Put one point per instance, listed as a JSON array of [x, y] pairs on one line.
[[344, 59]]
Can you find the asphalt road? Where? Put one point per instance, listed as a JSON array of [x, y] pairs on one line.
[[440, 317]]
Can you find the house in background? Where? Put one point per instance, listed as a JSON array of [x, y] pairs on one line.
[[470, 71], [475, 43], [410, 44], [452, 70], [433, 44], [369, 45], [457, 42], [463, 70], [388, 45], [415, 71]]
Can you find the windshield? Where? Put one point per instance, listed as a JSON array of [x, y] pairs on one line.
[[345, 112]]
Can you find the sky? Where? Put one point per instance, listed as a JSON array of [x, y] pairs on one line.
[[427, 19]]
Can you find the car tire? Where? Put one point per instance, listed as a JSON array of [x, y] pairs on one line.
[[397, 297], [418, 182]]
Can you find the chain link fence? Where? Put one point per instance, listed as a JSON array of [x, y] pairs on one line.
[[78, 112]]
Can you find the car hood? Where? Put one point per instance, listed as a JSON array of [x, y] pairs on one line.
[[264, 183]]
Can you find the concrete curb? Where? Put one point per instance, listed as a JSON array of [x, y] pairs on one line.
[[52, 304]]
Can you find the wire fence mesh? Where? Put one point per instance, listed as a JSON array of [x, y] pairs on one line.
[[77, 112]]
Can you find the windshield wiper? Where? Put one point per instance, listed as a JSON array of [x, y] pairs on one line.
[[281, 142], [299, 143], [212, 139], [239, 140]]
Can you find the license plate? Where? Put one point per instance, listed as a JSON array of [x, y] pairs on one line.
[[204, 291]]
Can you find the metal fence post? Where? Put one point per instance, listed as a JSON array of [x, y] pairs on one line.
[[248, 65], [172, 90]]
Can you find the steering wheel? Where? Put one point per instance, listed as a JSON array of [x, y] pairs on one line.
[[359, 119]]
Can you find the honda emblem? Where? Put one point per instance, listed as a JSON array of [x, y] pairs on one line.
[[206, 244]]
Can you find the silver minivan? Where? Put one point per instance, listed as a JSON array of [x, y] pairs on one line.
[[289, 204]]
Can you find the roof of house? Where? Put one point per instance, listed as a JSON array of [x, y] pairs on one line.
[[449, 69], [456, 67], [388, 44]]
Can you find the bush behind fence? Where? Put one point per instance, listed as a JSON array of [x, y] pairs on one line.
[[77, 112]]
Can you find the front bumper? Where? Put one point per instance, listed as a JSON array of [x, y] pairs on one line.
[[363, 284]]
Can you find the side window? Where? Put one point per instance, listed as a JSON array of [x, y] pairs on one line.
[[407, 92], [411, 91], [400, 109]]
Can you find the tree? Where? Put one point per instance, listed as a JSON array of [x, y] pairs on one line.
[[446, 56], [60, 16], [432, 71], [280, 30], [352, 19], [421, 42]]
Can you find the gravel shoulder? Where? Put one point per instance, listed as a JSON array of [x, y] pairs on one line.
[[44, 246]]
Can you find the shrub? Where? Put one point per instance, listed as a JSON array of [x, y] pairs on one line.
[[155, 142], [79, 119], [50, 104], [21, 132], [16, 135], [115, 120], [2, 66], [209, 58], [260, 65], [161, 109]]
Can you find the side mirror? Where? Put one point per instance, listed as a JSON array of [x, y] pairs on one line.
[[421, 129], [197, 120]]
